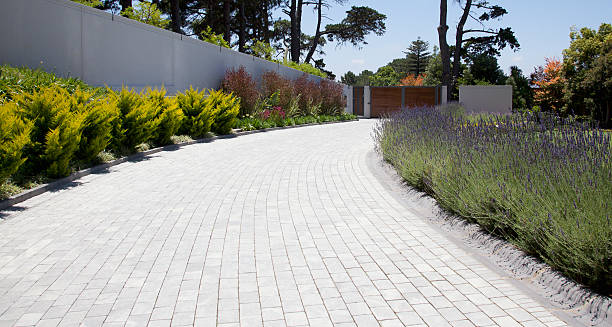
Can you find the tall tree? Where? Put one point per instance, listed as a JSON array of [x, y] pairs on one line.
[[175, 16], [295, 13], [444, 48], [418, 55], [522, 97], [359, 22], [349, 78], [587, 70], [485, 68], [227, 10], [549, 83], [125, 4], [433, 72], [474, 40], [385, 76]]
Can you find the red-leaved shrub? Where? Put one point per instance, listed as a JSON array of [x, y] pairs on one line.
[[271, 82], [242, 85], [332, 100], [309, 92]]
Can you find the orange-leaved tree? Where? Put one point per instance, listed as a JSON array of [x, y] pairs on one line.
[[549, 92], [412, 80]]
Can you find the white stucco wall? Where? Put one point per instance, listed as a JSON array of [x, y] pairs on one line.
[[486, 98], [70, 39]]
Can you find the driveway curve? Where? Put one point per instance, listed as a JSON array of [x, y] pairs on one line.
[[283, 228]]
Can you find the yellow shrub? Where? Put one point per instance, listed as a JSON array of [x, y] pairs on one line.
[[56, 134], [169, 115], [225, 108], [198, 117], [100, 114], [14, 136], [137, 122]]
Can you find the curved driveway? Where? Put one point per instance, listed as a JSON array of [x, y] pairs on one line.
[[283, 228]]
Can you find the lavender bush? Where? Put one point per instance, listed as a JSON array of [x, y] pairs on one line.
[[541, 182]]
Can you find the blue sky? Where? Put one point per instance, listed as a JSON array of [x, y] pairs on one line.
[[541, 26]]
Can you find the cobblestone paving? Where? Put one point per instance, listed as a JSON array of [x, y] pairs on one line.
[[285, 228]]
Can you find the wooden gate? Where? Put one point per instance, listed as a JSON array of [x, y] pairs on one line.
[[358, 100], [393, 98]]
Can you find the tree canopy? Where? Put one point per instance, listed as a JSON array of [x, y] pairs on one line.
[[471, 41], [587, 71], [417, 56]]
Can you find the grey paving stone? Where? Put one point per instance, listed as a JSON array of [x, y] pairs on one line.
[[286, 228]]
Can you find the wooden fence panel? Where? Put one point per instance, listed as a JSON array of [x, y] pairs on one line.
[[421, 96], [358, 100], [389, 99], [385, 99]]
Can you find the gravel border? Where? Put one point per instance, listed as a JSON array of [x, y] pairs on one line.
[[571, 299], [56, 184]]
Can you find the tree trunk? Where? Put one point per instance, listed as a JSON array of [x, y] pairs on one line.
[[242, 34], [266, 21], [175, 15], [227, 36], [458, 46], [296, 29], [125, 4], [444, 50], [315, 39]]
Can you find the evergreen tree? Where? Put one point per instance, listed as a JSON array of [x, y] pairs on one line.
[[417, 55]]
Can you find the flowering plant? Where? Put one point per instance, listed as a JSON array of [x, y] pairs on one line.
[[276, 113]]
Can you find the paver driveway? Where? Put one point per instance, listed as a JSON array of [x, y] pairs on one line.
[[289, 227]]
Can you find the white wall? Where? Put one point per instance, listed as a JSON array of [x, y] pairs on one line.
[[70, 39], [486, 98]]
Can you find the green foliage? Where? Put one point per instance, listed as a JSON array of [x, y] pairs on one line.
[[99, 116], [359, 22], [349, 78], [56, 134], [306, 68], [225, 109], [261, 49], [587, 70], [484, 70], [209, 36], [522, 98], [14, 136], [25, 80], [541, 182], [146, 12], [90, 3], [251, 123], [417, 57], [197, 112], [433, 71], [385, 76], [137, 123], [169, 116]]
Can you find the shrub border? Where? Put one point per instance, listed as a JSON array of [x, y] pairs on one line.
[[59, 183]]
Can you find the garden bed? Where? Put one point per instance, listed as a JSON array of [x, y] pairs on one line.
[[51, 127], [540, 182]]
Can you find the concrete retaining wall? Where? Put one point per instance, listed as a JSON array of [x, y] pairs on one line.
[[69, 39], [486, 98]]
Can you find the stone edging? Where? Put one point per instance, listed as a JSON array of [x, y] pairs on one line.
[[30, 193], [571, 298]]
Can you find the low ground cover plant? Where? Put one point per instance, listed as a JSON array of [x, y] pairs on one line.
[[542, 182], [15, 80]]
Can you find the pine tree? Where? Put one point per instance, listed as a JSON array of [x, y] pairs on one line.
[[418, 55]]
